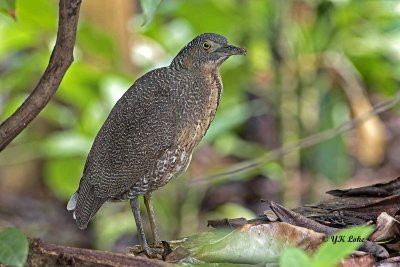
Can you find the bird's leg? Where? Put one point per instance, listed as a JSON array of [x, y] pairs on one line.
[[135, 206], [148, 201]]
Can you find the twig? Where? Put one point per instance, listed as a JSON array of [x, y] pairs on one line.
[[304, 143], [60, 60]]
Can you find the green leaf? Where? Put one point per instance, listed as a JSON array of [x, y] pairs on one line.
[[8, 7], [13, 247], [149, 8], [294, 257], [331, 253]]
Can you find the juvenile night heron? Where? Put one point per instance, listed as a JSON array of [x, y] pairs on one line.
[[151, 132]]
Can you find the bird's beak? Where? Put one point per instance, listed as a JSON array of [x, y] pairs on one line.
[[230, 50]]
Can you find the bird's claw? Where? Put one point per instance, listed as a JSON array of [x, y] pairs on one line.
[[151, 252], [157, 244]]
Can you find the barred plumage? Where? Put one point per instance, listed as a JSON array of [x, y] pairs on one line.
[[151, 132]]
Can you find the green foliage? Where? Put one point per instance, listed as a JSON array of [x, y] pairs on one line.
[[13, 247], [56, 179], [330, 253], [331, 158], [231, 210], [8, 7], [295, 257], [227, 120], [149, 8]]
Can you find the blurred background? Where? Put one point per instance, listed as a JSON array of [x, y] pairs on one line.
[[311, 66]]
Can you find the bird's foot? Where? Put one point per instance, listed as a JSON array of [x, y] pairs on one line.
[[151, 252], [157, 244]]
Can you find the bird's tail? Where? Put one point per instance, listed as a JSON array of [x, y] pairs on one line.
[[84, 205], [72, 202]]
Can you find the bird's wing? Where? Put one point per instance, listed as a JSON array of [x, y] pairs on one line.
[[139, 129]]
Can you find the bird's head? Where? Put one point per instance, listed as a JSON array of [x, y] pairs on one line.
[[208, 50]]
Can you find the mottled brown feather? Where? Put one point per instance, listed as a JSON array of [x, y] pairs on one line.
[[151, 132]]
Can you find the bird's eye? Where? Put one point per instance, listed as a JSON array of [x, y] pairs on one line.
[[206, 45]]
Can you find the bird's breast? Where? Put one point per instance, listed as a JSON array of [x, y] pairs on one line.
[[202, 112]]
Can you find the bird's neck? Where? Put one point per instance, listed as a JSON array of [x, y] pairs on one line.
[[205, 98], [177, 65], [214, 89], [181, 62], [187, 63]]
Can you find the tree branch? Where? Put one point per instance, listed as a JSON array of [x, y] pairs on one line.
[[46, 254], [60, 60]]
